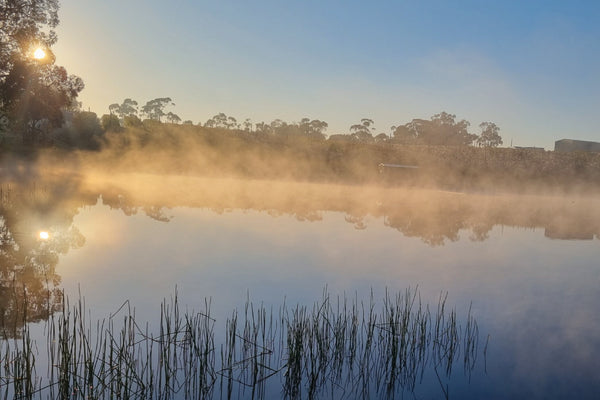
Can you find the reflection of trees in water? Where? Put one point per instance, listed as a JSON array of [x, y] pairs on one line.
[[434, 227], [438, 221], [118, 201], [436, 217], [29, 282], [28, 265], [358, 221]]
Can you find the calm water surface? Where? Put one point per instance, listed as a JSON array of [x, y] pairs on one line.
[[528, 266]]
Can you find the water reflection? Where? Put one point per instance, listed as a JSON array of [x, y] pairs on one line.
[[436, 217], [49, 203], [218, 237], [35, 228], [340, 348]]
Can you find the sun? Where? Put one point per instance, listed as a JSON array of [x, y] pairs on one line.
[[44, 235], [39, 53]]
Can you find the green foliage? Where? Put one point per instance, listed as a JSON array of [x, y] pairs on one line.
[[83, 131], [110, 123], [132, 121], [314, 129], [363, 132], [33, 92], [222, 121], [489, 136], [154, 109], [442, 129], [403, 134], [173, 118], [127, 108]]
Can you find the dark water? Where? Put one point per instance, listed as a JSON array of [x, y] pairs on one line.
[[527, 266]]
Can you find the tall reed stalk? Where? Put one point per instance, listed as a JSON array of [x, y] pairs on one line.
[[339, 347]]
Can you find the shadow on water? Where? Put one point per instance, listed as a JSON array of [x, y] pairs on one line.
[[340, 347]]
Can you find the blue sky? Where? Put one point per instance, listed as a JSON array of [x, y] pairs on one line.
[[532, 67]]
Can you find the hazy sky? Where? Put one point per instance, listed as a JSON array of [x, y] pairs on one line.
[[532, 67]]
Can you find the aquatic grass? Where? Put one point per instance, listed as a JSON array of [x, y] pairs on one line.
[[340, 347]]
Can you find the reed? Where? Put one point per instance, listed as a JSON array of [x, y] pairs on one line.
[[339, 347]]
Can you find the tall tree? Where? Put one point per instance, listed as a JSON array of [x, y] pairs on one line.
[[32, 88], [263, 128], [445, 130], [441, 129], [313, 129], [247, 125], [127, 108], [489, 136], [221, 120], [362, 131], [173, 118], [155, 109], [404, 134]]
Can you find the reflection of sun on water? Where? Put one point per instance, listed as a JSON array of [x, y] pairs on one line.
[[39, 53], [44, 235]]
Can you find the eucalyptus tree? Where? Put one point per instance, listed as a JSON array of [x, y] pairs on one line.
[[405, 134], [173, 118], [247, 124], [221, 120], [441, 129], [32, 88], [129, 107], [155, 109], [313, 128], [263, 128], [363, 131], [447, 131], [489, 136]]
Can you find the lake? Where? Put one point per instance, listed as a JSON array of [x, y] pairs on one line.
[[524, 268]]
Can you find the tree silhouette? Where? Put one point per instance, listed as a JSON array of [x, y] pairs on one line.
[[173, 118], [441, 129], [362, 131], [222, 121], [127, 108], [247, 124], [405, 134], [155, 109], [489, 136], [110, 123], [32, 91], [314, 129]]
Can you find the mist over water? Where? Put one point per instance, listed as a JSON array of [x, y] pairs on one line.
[[526, 264]]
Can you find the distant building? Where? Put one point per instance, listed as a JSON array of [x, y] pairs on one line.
[[566, 145]]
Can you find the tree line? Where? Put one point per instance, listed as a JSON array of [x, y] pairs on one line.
[[441, 129], [38, 99]]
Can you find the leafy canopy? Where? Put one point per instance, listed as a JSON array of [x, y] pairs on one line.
[[32, 90]]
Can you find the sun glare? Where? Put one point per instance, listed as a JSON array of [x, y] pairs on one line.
[[44, 235], [39, 53]]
